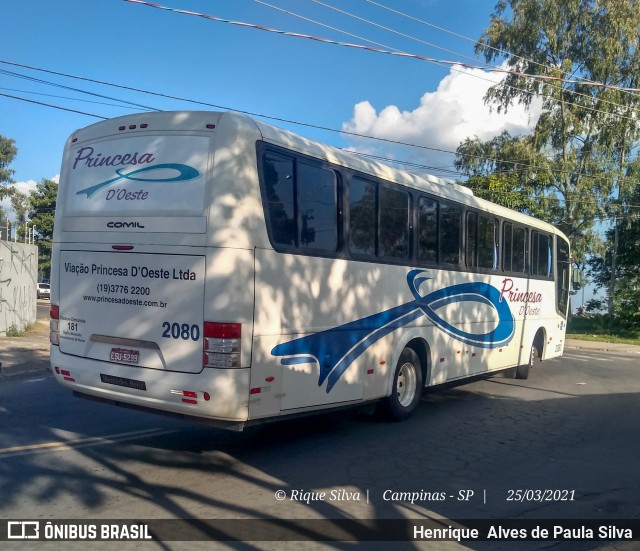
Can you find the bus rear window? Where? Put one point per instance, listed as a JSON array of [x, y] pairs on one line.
[[142, 175], [301, 200]]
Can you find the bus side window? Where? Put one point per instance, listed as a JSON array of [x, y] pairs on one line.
[[428, 230], [507, 247], [482, 241], [450, 228], [302, 203], [519, 258], [487, 243], [541, 254], [393, 233], [278, 177], [362, 217], [472, 239], [317, 206], [514, 247]]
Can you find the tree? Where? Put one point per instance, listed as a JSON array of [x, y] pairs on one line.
[[43, 206], [21, 204], [499, 170], [8, 152], [626, 260], [586, 137]]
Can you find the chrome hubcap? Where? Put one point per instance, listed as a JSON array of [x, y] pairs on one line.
[[406, 384]]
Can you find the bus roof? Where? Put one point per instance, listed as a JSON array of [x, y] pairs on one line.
[[197, 120]]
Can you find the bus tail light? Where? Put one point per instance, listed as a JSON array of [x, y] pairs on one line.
[[54, 325], [222, 345], [187, 396], [65, 374]]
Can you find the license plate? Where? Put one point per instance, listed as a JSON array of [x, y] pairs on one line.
[[121, 381], [123, 355]]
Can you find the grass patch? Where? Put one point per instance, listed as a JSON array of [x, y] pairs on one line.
[[13, 331], [603, 328], [602, 338]]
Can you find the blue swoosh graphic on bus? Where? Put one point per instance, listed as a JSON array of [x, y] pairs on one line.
[[186, 172], [335, 349]]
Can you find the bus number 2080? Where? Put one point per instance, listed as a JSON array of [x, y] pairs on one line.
[[182, 331]]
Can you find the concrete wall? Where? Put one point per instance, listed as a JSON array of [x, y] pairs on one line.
[[18, 285]]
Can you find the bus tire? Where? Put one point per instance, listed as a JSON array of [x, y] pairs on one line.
[[406, 389], [522, 371]]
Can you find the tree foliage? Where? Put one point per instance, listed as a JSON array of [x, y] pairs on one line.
[[498, 170], [43, 205], [37, 209], [626, 300], [20, 204], [8, 152], [576, 162]]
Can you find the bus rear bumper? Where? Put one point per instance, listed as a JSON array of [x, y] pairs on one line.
[[213, 394]]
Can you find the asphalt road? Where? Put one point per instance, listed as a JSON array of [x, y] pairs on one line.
[[43, 307], [574, 425]]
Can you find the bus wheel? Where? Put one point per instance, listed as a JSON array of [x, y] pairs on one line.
[[407, 387], [522, 371]]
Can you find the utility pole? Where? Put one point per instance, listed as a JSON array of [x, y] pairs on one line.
[[614, 259]]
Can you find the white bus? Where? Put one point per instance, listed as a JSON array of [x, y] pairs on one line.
[[213, 266]]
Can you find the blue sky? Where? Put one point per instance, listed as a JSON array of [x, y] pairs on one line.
[[247, 69]]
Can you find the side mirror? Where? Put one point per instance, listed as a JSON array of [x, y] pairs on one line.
[[577, 279]]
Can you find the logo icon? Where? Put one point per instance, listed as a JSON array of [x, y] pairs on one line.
[[185, 172], [23, 530]]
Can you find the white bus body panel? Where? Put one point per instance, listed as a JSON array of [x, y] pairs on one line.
[[178, 194], [228, 388], [153, 238], [341, 299], [152, 303]]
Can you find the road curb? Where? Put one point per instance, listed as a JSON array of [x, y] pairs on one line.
[[27, 355], [601, 346]]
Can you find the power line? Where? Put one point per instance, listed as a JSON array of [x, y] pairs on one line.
[[66, 97], [483, 44], [386, 28], [53, 106], [429, 24], [454, 68], [288, 12], [442, 169], [437, 63], [522, 165], [478, 192], [493, 68], [368, 48], [394, 31], [49, 83], [250, 113]]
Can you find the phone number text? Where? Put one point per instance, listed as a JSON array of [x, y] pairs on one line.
[[109, 289]]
